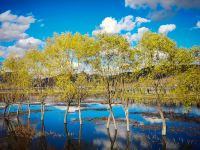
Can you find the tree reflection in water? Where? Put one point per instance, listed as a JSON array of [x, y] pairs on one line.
[[164, 142], [42, 137], [112, 140], [128, 140], [71, 142], [19, 137]]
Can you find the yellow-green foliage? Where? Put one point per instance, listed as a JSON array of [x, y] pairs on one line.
[[157, 66], [66, 87]]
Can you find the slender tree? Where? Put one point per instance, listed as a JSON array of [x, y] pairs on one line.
[[157, 52]]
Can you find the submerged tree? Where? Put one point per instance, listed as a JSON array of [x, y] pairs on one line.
[[18, 79], [106, 65], [157, 52], [67, 90], [36, 69], [81, 91], [160, 55]]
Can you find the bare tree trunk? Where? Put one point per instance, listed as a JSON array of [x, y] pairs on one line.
[[111, 115], [108, 121], [79, 110], [163, 120], [29, 110], [28, 124], [66, 113], [18, 109], [42, 111], [127, 118]]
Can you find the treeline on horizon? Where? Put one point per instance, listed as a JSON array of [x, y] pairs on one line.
[[72, 67]]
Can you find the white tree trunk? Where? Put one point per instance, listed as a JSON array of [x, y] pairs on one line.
[[115, 125], [108, 121], [42, 111], [113, 117], [163, 121], [66, 113], [18, 109], [127, 119], [29, 110]]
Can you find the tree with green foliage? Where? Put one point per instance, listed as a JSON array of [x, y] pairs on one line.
[[67, 90], [112, 50], [157, 54], [36, 68], [18, 79]]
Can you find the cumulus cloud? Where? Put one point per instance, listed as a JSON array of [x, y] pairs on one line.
[[159, 8], [20, 47], [136, 36], [28, 43], [13, 29], [140, 20], [165, 29], [112, 26]]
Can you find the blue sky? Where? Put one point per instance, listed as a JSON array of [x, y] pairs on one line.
[[180, 20]]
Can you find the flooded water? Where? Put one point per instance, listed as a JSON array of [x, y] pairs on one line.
[[183, 129]]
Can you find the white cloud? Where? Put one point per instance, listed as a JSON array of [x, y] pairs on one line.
[[13, 27], [166, 4], [136, 36], [12, 31], [29, 43], [140, 20], [127, 23], [160, 9], [109, 25], [165, 29], [20, 47], [7, 16], [198, 24], [15, 51], [112, 26]]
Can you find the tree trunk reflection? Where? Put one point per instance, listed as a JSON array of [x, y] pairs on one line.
[[112, 140]]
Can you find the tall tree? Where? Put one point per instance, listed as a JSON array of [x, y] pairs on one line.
[[157, 52]]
